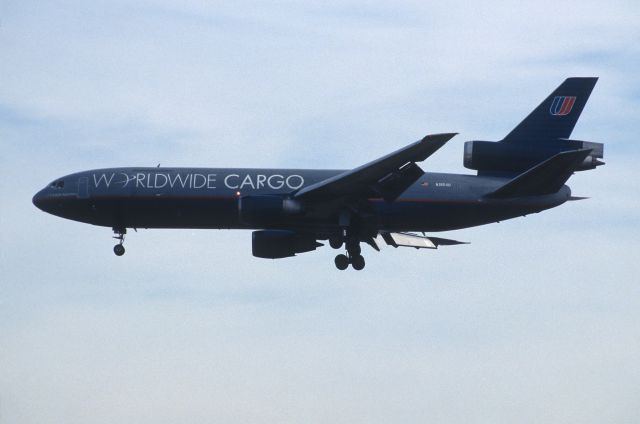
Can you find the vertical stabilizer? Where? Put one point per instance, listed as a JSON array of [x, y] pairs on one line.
[[557, 115]]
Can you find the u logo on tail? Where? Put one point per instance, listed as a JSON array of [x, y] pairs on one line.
[[562, 105]]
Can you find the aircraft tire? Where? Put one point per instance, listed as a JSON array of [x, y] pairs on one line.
[[357, 262], [342, 262], [118, 249], [335, 242]]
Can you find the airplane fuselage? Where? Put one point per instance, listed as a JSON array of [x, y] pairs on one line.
[[209, 198]]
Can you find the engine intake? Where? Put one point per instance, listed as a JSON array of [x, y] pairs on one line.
[[274, 244]]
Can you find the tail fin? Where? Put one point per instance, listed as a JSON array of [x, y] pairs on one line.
[[557, 115], [545, 178]]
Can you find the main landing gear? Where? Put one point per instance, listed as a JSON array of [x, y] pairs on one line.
[[352, 257], [118, 249], [342, 262]]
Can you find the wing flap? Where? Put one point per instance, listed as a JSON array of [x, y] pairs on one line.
[[416, 241], [394, 184]]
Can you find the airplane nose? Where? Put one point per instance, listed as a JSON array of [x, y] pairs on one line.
[[38, 200]]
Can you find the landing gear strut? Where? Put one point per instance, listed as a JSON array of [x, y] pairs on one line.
[[348, 237], [118, 249]]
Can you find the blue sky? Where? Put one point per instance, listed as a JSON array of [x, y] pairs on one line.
[[537, 320]]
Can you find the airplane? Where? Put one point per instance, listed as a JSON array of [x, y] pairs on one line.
[[390, 199]]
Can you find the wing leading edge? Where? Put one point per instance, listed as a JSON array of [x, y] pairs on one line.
[[386, 177]]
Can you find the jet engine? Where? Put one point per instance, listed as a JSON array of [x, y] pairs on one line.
[[265, 209], [274, 244], [510, 157]]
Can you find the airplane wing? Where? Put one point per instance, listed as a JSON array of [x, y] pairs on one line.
[[416, 241], [385, 177]]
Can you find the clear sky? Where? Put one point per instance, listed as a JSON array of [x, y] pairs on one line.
[[537, 320]]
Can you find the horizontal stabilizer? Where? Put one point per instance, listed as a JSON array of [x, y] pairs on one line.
[[416, 241], [545, 178]]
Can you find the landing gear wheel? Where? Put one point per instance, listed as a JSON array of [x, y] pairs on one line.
[[118, 249], [342, 262], [335, 242], [357, 262]]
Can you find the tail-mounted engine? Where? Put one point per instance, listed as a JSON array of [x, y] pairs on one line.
[[489, 156]]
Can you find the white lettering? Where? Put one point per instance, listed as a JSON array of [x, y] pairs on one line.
[[229, 184], [139, 179], [177, 178], [195, 180], [290, 184], [127, 179], [278, 184], [101, 179], [152, 180], [247, 181], [155, 181], [211, 180]]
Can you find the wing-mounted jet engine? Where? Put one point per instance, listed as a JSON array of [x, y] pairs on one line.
[[275, 244]]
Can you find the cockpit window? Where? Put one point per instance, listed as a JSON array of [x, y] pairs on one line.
[[57, 184]]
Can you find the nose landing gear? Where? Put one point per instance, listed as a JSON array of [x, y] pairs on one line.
[[118, 249]]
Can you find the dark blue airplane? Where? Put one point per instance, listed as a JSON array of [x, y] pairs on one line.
[[391, 197]]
